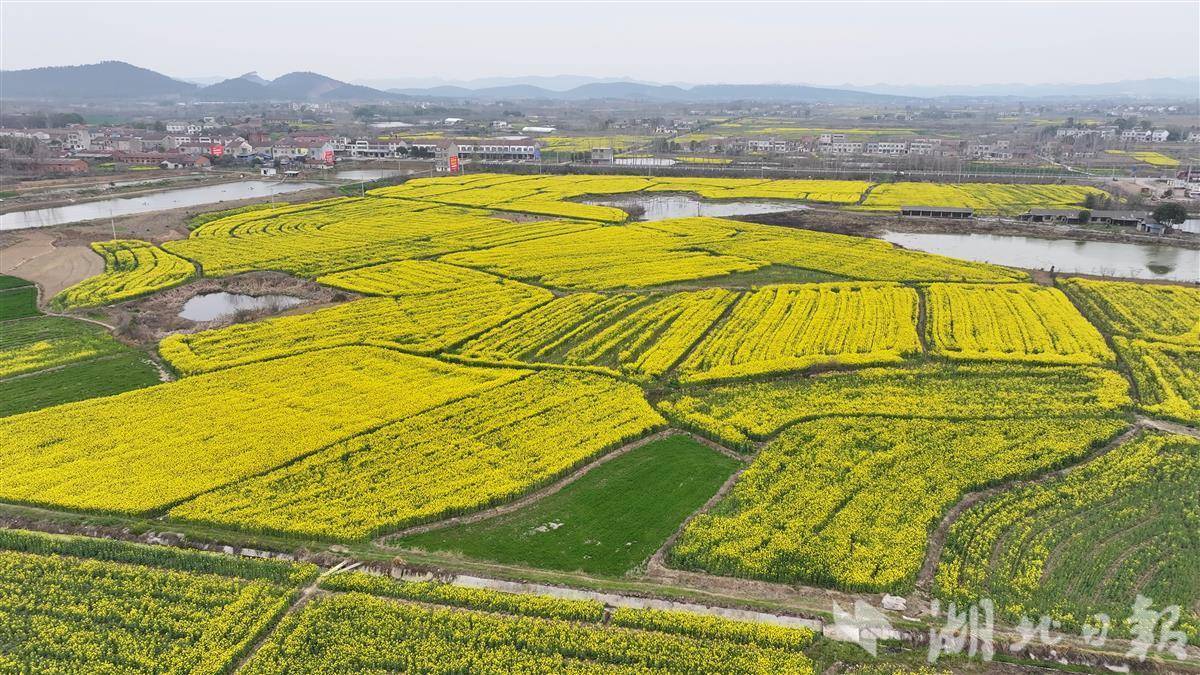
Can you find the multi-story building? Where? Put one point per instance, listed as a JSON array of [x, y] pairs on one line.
[[886, 148]]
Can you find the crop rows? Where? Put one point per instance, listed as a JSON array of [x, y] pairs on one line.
[[487, 448], [639, 334], [354, 633], [1012, 322], [1146, 311], [792, 327], [1088, 542], [849, 502], [47, 342], [987, 198], [422, 322], [129, 608], [742, 412], [131, 269], [145, 449], [1167, 377]]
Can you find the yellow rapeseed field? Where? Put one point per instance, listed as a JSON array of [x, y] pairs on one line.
[[792, 327], [132, 269], [484, 449], [1010, 322], [149, 448]]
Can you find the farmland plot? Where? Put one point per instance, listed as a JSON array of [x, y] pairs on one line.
[[421, 322], [469, 454], [1090, 541], [146, 449], [640, 334], [849, 502], [77, 605], [131, 269], [360, 632], [1012, 322], [792, 327], [1146, 311], [742, 412]]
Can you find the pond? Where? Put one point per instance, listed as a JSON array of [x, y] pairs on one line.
[[212, 306], [1102, 258], [158, 201], [663, 206], [366, 174]]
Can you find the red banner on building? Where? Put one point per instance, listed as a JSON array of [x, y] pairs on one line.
[[329, 157], [453, 163], [216, 150]]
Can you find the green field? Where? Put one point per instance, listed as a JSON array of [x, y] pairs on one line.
[[18, 298], [100, 377], [7, 282], [607, 522]]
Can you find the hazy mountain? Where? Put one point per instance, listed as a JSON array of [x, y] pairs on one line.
[[549, 82], [635, 91], [1162, 87], [104, 80], [291, 87]]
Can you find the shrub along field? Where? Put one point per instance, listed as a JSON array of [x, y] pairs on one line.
[[511, 335], [607, 522]]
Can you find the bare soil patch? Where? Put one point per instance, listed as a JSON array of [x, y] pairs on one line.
[[45, 259]]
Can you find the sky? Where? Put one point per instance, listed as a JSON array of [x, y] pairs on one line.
[[823, 43]]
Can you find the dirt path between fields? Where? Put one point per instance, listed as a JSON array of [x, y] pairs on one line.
[[937, 540], [1168, 426], [307, 593], [37, 258]]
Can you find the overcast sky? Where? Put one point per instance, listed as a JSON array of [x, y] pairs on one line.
[[816, 43]]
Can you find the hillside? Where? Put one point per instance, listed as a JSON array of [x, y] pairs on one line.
[[104, 80]]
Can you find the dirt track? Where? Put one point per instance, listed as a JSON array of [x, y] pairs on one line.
[[35, 257]]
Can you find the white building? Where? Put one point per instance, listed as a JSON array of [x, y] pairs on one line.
[[842, 147], [886, 148]]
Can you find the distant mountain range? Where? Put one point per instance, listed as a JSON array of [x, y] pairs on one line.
[[635, 91], [1160, 87], [116, 80]]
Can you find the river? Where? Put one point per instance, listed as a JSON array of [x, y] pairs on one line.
[[1101, 258], [157, 201]]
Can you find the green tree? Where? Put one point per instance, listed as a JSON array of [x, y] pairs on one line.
[[1170, 213]]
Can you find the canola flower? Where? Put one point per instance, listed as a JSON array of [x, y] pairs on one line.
[[149, 448], [848, 502], [132, 269], [485, 448], [1159, 313], [639, 334], [66, 614], [421, 322], [353, 633], [1167, 377], [795, 326], [740, 413], [1011, 322], [43, 342], [1042, 548], [988, 198]]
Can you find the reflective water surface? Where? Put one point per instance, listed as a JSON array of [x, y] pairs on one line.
[[211, 306], [1138, 261]]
